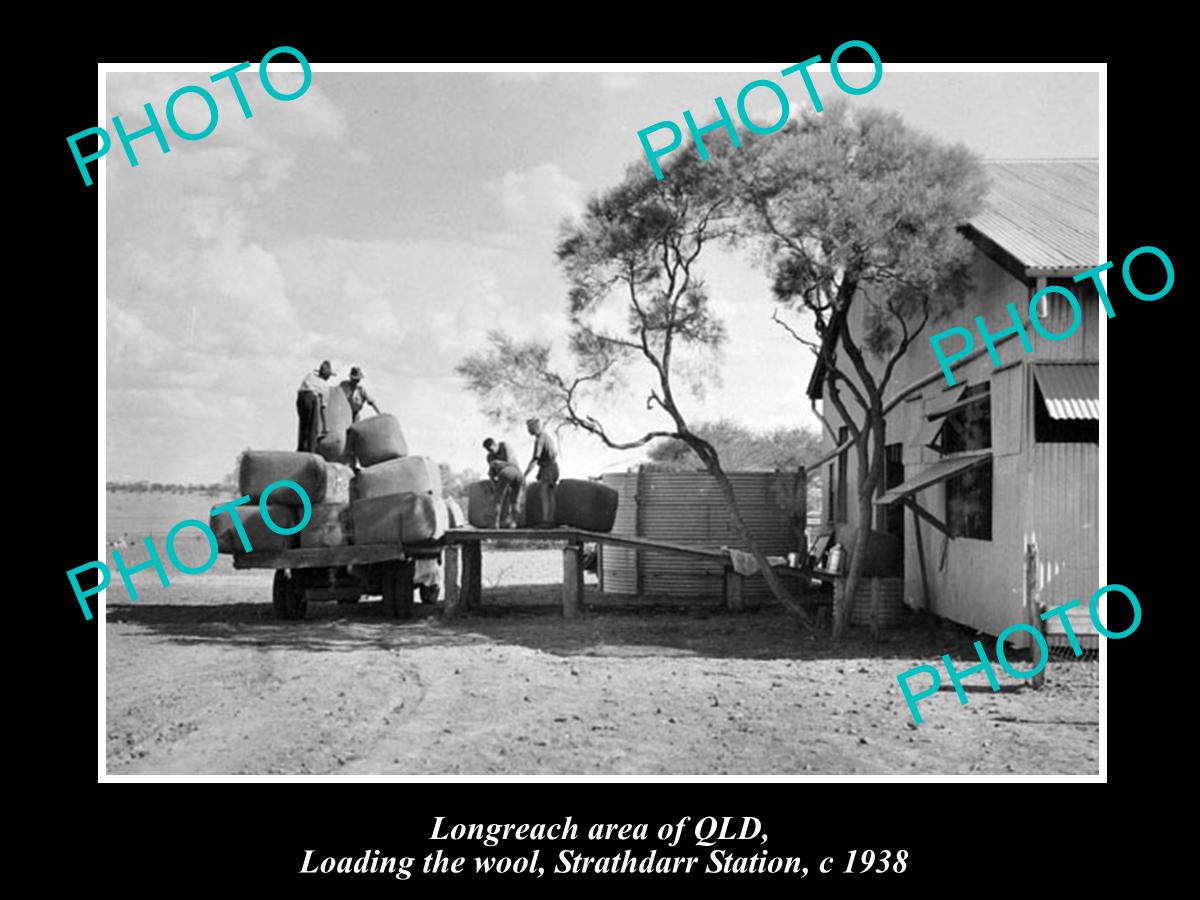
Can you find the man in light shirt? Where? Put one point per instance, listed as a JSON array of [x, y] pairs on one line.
[[545, 457], [310, 406], [357, 394]]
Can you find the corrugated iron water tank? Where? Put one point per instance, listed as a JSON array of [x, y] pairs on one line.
[[689, 508]]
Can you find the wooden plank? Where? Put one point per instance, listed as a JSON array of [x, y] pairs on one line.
[[450, 590], [735, 590], [513, 535], [313, 557], [467, 536], [572, 581], [928, 516]]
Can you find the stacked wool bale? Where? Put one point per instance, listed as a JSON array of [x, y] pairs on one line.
[[394, 498], [587, 505], [327, 485]]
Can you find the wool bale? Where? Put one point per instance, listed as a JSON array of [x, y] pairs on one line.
[[537, 505], [481, 505], [328, 527], [261, 537], [423, 518], [376, 440], [338, 478], [375, 520], [585, 504], [338, 418], [409, 475], [398, 519], [262, 467], [455, 513]]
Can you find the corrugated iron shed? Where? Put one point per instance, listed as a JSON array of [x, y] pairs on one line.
[[1045, 213], [689, 508]]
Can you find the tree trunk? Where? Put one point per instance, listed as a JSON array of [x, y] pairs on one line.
[[779, 592], [856, 564]]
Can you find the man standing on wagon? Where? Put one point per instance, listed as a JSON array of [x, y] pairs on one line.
[[310, 407], [356, 394]]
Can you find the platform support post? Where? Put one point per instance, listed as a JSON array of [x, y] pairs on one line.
[[572, 581]]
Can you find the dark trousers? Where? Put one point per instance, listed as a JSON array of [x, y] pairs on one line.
[[308, 407], [506, 490], [548, 475]]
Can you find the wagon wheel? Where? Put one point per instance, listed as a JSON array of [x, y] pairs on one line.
[[288, 596], [398, 589]]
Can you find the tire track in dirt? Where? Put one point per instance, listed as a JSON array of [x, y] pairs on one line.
[[276, 709]]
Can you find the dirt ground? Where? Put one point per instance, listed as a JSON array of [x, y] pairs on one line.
[[202, 679]]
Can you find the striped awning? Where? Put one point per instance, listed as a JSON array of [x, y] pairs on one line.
[[1071, 390]]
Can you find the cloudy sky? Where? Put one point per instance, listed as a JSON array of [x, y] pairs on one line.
[[388, 220]]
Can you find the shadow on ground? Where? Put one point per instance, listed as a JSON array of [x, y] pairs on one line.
[[530, 616]]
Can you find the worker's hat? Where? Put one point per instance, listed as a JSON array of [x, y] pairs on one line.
[[356, 372]]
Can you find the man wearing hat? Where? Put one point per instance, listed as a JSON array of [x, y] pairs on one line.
[[310, 405], [356, 393]]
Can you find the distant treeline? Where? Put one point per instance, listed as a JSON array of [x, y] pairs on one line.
[[157, 487]]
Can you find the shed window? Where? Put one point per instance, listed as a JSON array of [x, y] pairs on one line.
[[893, 476], [969, 503], [968, 423]]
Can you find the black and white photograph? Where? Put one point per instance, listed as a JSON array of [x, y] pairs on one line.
[[601, 422]]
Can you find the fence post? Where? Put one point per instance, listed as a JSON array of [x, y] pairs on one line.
[[735, 583]]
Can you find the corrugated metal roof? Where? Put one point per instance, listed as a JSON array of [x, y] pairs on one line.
[[1046, 213], [931, 475], [1071, 390]]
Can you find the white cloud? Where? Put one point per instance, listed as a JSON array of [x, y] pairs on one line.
[[620, 81], [504, 78], [540, 197], [241, 157]]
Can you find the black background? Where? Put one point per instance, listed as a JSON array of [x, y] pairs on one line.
[[963, 835]]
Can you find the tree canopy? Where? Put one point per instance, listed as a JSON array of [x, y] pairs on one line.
[[850, 209], [742, 448]]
